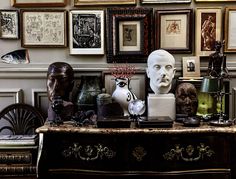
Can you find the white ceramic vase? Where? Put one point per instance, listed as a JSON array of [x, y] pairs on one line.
[[122, 94]]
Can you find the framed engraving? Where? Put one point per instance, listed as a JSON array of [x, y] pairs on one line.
[[102, 2], [43, 28], [9, 24], [38, 3], [86, 32], [230, 26], [208, 29], [191, 67], [129, 34], [164, 1], [170, 27]]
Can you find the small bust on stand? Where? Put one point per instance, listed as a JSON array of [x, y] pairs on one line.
[[60, 82], [187, 103], [161, 71]]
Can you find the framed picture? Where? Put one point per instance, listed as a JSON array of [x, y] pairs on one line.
[[9, 24], [164, 1], [86, 32], [38, 3], [129, 34], [103, 2], [208, 29], [43, 28], [170, 27], [191, 67], [230, 26], [215, 0]]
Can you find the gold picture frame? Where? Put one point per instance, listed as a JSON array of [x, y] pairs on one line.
[[215, 0], [230, 25], [208, 29], [38, 3], [191, 67], [103, 2]]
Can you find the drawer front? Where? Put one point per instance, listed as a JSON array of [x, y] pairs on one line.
[[137, 152]]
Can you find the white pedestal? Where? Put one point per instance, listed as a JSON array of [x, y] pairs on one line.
[[161, 105]]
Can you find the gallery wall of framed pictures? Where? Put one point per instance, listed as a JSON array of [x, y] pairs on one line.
[[124, 30]]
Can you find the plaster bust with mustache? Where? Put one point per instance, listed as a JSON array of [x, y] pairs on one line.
[[161, 71]]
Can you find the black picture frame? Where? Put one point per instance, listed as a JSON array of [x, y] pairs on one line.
[[135, 44], [165, 38]]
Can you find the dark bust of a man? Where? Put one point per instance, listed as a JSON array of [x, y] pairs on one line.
[[186, 99], [60, 82]]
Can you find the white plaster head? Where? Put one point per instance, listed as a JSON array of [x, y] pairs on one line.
[[161, 71]]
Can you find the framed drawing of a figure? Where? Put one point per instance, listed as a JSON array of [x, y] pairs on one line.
[[43, 28], [129, 34], [208, 29], [9, 24], [170, 27], [86, 32], [191, 67], [230, 26]]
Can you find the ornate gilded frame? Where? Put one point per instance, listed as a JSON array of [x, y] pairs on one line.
[[103, 2], [37, 3]]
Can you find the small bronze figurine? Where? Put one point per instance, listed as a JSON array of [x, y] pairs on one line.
[[217, 61]]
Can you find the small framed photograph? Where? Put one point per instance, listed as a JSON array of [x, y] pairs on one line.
[[164, 1], [208, 29], [170, 27], [129, 34], [43, 28], [191, 67], [230, 26], [86, 31], [38, 3], [9, 24], [103, 2]]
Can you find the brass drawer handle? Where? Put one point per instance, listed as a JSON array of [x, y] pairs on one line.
[[177, 153], [88, 152]]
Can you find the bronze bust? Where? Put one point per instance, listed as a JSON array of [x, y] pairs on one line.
[[186, 99], [60, 82]]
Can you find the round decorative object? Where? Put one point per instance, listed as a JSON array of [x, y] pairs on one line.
[[136, 107]]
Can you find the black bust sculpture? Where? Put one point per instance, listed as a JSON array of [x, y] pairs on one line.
[[60, 82]]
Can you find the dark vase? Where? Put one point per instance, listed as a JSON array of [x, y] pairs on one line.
[[89, 88]]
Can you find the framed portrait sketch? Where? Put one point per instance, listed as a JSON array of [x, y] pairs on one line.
[[9, 24], [191, 67], [208, 29], [164, 1], [230, 26], [103, 2], [129, 34], [170, 27], [86, 31], [38, 3], [43, 28]]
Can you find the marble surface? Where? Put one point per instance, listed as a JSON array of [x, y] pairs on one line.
[[69, 127]]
